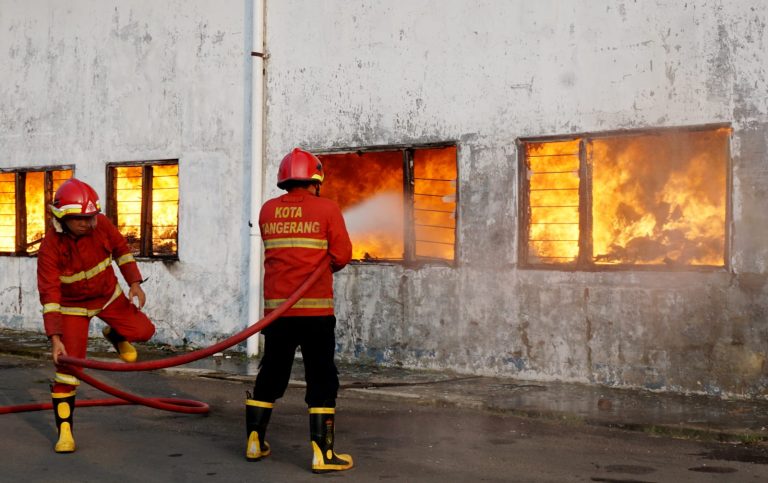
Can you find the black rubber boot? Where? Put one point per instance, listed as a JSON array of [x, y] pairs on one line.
[[321, 432], [257, 415], [63, 412]]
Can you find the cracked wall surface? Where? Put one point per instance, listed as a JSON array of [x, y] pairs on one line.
[[351, 74], [91, 82]]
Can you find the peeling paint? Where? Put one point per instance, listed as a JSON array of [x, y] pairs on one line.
[[158, 81]]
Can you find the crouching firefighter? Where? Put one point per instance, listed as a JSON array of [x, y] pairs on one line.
[[301, 232], [76, 281]]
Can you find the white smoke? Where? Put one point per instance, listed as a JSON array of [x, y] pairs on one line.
[[381, 214]]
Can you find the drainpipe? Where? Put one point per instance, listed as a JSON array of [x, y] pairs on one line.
[[258, 21]]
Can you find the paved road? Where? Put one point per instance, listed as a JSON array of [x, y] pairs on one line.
[[390, 441]]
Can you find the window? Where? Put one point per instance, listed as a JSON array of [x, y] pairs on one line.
[[144, 205], [643, 200], [24, 198], [399, 204]]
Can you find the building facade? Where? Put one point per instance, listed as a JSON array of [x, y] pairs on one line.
[[649, 118]]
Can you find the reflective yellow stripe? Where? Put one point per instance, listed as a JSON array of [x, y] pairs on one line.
[[127, 258], [114, 296], [48, 308], [322, 410], [83, 312], [301, 304], [58, 395], [88, 273], [67, 210], [295, 243], [66, 379], [260, 404]]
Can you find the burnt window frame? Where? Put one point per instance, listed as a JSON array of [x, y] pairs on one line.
[[145, 242], [409, 260], [584, 261], [21, 244]]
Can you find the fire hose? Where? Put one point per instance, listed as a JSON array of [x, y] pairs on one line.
[[167, 404]]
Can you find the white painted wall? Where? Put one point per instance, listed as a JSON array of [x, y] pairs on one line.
[[87, 82], [345, 74], [91, 82]]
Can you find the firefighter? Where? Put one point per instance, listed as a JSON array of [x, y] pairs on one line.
[[76, 281], [301, 231]]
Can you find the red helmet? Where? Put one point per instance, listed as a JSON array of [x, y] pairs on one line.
[[299, 165], [75, 198]]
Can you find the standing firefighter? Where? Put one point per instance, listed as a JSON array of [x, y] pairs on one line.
[[301, 232], [76, 281]]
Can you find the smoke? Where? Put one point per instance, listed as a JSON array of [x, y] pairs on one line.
[[382, 213], [375, 226]]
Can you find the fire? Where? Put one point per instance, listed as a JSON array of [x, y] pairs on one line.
[[7, 212], [660, 199], [376, 237], [128, 182], [553, 174], [35, 203], [36, 212], [369, 189], [656, 199], [434, 200], [165, 206]]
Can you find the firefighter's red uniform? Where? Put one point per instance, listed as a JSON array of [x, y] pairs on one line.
[[301, 232], [76, 281]]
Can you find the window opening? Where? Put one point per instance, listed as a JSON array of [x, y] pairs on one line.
[[434, 203], [24, 199], [649, 199], [398, 204], [144, 205]]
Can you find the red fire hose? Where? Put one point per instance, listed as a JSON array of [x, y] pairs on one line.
[[167, 404]]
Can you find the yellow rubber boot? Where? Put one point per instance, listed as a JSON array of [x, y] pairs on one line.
[[124, 349], [63, 412], [321, 430], [257, 415]]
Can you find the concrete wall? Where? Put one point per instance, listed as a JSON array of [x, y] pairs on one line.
[[87, 82], [91, 82], [360, 73]]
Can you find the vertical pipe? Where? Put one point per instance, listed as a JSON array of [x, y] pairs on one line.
[[257, 166]]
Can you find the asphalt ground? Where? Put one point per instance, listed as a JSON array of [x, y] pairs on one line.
[[393, 438], [690, 416]]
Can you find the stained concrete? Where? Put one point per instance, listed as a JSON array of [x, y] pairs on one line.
[[697, 417], [90, 82], [484, 74]]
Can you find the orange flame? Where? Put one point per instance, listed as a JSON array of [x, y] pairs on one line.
[[553, 174], [7, 212], [369, 190], [34, 205], [128, 188], [656, 199], [660, 199], [165, 206], [434, 202]]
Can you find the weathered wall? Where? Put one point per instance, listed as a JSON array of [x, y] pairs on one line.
[[91, 82], [483, 73], [87, 82]]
